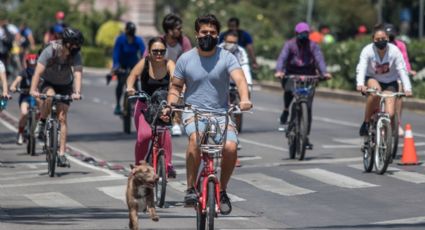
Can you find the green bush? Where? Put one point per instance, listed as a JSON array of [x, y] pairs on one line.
[[94, 57]]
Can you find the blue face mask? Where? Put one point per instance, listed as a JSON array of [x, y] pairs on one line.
[[302, 37]]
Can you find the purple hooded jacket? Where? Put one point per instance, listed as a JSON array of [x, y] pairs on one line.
[[295, 59]]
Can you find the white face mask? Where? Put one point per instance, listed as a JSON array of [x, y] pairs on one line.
[[231, 47]]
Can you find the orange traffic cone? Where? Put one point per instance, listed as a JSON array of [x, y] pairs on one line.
[[409, 150]]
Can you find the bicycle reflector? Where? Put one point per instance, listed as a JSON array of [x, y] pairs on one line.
[[3, 103]]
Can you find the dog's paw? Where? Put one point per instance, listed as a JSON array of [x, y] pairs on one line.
[[155, 218]]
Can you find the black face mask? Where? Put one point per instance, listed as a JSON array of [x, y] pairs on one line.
[[302, 37], [381, 44], [207, 43], [74, 51], [30, 70]]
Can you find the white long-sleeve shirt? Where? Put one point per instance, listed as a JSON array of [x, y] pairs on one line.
[[243, 60], [384, 70]]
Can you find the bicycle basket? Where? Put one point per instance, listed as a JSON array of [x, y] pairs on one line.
[[154, 109]]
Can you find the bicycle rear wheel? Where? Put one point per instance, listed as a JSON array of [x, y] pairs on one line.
[[30, 132], [395, 137], [383, 147], [52, 148], [368, 155], [211, 211], [161, 185], [126, 116], [302, 131]]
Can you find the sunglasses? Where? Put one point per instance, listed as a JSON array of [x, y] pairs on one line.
[[158, 52]]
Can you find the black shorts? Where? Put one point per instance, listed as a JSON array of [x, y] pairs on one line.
[[59, 89], [391, 86]]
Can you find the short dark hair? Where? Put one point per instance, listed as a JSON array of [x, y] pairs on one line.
[[377, 28], [170, 22], [207, 19], [155, 39], [235, 20], [231, 33]]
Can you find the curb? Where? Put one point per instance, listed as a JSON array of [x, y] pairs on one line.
[[408, 103]]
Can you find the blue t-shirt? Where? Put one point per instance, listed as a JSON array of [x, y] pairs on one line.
[[127, 55], [244, 38], [206, 78]]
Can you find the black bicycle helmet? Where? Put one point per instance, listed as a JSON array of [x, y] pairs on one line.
[[72, 36], [390, 30], [130, 28]]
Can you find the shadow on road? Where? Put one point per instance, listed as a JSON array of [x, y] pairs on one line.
[[111, 136]]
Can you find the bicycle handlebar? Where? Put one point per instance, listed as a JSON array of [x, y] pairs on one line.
[[58, 97], [386, 94], [139, 95], [306, 77]]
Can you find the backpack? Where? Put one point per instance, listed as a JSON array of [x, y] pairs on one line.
[[6, 42], [153, 112]]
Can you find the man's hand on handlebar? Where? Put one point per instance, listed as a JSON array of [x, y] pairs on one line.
[[361, 88], [245, 105], [76, 96], [408, 93], [166, 114]]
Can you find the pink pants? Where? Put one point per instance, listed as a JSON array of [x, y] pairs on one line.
[[144, 135]]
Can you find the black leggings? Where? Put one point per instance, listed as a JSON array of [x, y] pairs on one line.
[[120, 87]]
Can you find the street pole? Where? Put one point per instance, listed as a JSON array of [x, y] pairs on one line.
[[310, 5], [379, 9], [421, 18]]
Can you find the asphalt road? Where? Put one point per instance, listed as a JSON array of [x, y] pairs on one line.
[[329, 190]]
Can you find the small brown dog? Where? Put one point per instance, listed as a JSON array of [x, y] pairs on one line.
[[140, 194]]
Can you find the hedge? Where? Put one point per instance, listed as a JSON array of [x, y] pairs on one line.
[[95, 57]]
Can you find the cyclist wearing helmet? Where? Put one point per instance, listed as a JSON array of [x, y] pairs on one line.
[[299, 56], [380, 65], [60, 68], [392, 33], [25, 99], [128, 49]]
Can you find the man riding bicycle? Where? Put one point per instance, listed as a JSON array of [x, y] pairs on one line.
[[206, 72], [128, 49], [380, 65], [60, 68], [299, 56]]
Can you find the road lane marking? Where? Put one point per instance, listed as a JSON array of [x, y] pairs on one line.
[[64, 181], [23, 172], [243, 140], [412, 177], [54, 200], [272, 184], [117, 192], [3, 178], [413, 220], [305, 162], [341, 146], [181, 186], [332, 178]]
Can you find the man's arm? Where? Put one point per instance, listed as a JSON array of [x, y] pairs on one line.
[[39, 70], [116, 54], [239, 78], [250, 48], [4, 83], [175, 90], [15, 83]]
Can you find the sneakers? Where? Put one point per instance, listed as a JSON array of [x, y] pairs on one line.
[[20, 139], [39, 130], [190, 198], [308, 144], [117, 110], [63, 162], [225, 205], [364, 129], [284, 117], [400, 131], [171, 172], [176, 130], [108, 78]]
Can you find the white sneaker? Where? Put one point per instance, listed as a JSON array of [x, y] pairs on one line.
[[20, 139], [400, 131], [176, 130]]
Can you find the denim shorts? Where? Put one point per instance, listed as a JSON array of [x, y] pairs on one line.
[[189, 126]]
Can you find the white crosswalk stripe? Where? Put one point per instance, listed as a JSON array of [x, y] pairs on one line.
[[272, 184], [117, 192], [54, 200], [412, 177], [332, 178]]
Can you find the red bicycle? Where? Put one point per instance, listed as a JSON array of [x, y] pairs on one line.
[[211, 142], [156, 154]]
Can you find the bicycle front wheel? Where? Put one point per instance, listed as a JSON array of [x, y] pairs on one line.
[[161, 185], [211, 211], [302, 131], [52, 149], [383, 147], [368, 155], [201, 216]]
